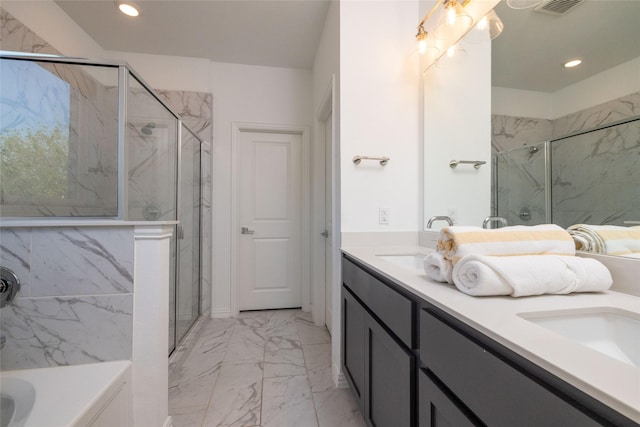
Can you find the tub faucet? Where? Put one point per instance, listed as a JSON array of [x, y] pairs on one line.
[[498, 219], [439, 218]]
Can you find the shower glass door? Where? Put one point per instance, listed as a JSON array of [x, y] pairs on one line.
[[187, 295]]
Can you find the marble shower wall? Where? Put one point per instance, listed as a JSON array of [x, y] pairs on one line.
[[75, 305], [586, 169], [194, 108]]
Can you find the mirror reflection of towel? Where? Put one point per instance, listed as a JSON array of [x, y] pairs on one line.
[[606, 239]]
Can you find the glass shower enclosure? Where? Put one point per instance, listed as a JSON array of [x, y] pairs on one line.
[[592, 176], [84, 140]]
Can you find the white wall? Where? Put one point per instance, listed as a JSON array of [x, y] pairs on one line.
[[169, 72], [326, 71], [606, 86], [249, 94], [457, 121], [379, 108], [611, 84]]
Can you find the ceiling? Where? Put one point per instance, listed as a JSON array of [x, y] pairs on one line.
[[533, 46], [280, 33], [276, 33]]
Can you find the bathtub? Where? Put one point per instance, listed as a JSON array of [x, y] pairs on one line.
[[97, 394]]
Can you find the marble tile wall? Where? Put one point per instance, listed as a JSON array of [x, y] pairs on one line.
[[75, 304], [594, 176], [194, 108]]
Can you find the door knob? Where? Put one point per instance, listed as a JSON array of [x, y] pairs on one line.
[[325, 233], [246, 230]]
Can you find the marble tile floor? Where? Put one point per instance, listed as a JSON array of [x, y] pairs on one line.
[[261, 369]]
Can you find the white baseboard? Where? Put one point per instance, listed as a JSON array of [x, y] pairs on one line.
[[219, 313]]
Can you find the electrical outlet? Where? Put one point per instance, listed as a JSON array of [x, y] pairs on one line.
[[383, 216], [453, 214]]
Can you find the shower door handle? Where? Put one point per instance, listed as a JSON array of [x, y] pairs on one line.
[[246, 230]]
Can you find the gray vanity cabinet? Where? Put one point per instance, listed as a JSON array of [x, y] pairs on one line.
[[410, 363], [379, 366], [493, 386], [353, 315]]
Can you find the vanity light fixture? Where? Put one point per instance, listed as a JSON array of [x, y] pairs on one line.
[[425, 42], [572, 63], [491, 22], [128, 8]]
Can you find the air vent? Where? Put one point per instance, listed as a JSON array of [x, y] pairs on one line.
[[557, 7]]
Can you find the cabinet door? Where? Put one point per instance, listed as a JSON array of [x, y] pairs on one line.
[[437, 409], [353, 315], [389, 376]]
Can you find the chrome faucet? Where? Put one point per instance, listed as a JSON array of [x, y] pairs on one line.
[[498, 219], [439, 218]]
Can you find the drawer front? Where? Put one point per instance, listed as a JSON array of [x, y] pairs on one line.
[[497, 393], [392, 308], [437, 409]]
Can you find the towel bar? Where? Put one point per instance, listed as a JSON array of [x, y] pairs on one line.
[[383, 160], [476, 163]]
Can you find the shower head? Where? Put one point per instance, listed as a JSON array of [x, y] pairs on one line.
[[148, 128]]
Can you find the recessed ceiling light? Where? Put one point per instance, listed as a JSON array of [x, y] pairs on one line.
[[128, 9], [572, 63]]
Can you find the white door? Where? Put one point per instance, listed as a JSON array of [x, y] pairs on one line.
[[269, 261], [328, 257]]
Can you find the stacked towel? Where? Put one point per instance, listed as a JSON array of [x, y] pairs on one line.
[[438, 268], [548, 239], [480, 275], [606, 239]]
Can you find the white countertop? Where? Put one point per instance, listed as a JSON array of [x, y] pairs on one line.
[[608, 380]]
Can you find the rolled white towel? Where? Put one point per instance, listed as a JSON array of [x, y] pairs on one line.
[[438, 268], [480, 275], [546, 239]]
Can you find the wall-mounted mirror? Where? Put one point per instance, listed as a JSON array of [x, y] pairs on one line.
[[589, 172]]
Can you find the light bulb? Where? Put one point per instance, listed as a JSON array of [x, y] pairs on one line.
[[422, 46], [128, 9], [572, 63], [482, 25], [453, 22], [451, 14]]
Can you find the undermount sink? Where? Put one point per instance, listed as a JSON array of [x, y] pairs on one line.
[[412, 261], [611, 331], [16, 400]]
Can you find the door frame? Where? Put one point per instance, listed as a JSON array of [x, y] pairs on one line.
[[325, 109], [305, 199]]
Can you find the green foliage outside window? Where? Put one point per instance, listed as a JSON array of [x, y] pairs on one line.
[[33, 164]]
